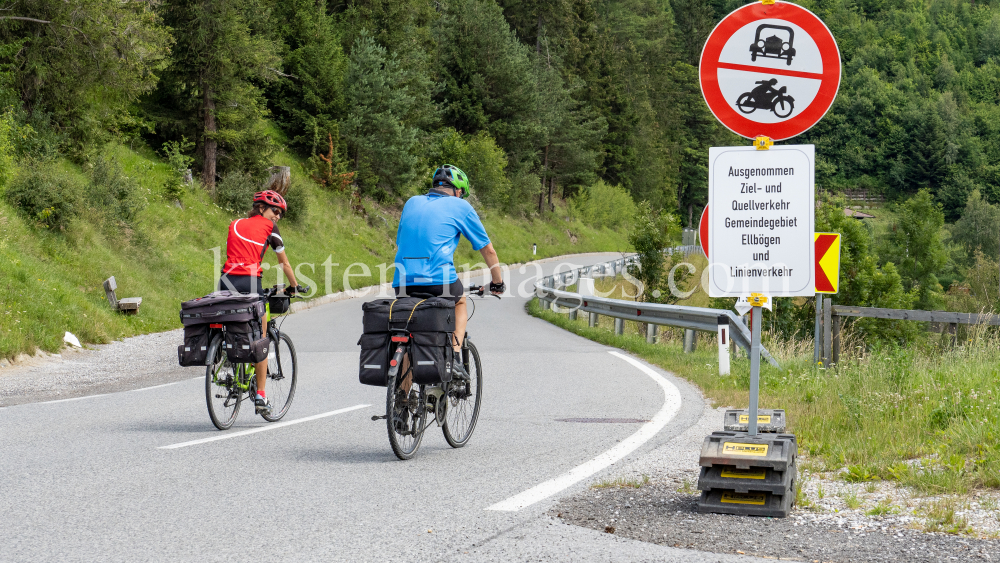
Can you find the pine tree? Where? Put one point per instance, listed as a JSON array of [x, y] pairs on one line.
[[378, 101], [309, 97], [210, 92]]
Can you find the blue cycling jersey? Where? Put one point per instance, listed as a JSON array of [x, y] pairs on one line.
[[429, 231]]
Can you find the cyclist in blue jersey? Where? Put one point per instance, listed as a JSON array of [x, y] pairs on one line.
[[429, 231]]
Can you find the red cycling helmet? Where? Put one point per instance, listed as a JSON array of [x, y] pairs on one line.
[[270, 197]]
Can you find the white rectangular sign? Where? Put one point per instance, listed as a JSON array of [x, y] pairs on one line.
[[761, 212]]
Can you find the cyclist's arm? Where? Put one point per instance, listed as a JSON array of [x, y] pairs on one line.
[[492, 262], [286, 266]]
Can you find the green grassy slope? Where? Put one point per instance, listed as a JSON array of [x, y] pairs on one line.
[[50, 282]]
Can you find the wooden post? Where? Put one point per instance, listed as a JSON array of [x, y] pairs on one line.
[[953, 331], [280, 180], [827, 331], [836, 339]]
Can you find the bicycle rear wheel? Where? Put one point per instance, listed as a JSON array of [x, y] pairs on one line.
[[282, 376], [222, 393], [463, 400], [404, 416]]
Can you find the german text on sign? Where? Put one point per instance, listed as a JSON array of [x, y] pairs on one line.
[[761, 210]]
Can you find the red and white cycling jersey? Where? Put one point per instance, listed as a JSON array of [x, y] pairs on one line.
[[248, 241]]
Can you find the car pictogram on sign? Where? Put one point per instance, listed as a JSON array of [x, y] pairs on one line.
[[774, 46], [770, 70]]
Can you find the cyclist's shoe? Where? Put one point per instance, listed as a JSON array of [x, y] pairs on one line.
[[262, 405]]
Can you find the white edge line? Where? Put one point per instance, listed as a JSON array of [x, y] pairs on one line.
[[671, 404], [274, 426]]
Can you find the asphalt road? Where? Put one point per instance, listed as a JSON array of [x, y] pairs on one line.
[[89, 480]]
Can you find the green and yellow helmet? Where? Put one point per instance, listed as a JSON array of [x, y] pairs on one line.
[[449, 176]]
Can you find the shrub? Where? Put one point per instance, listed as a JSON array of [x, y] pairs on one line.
[[235, 191], [44, 194], [179, 163], [113, 192], [604, 205], [479, 157]]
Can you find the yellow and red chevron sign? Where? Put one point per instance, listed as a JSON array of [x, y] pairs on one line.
[[827, 262]]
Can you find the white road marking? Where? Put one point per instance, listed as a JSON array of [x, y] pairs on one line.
[[274, 426], [68, 400], [167, 384], [671, 404]]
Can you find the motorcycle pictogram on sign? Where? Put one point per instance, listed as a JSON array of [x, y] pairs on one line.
[[765, 97]]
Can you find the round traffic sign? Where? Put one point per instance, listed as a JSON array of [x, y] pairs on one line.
[[770, 70]]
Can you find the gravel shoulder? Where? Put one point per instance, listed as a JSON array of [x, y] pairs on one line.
[[653, 499]]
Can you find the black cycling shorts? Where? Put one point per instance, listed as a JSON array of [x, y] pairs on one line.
[[242, 284], [454, 291]]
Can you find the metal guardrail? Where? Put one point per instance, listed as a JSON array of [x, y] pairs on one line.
[[548, 290]]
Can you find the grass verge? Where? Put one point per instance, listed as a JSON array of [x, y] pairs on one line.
[[925, 418]]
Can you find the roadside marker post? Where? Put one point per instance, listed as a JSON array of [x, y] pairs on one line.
[[723, 345], [769, 71]]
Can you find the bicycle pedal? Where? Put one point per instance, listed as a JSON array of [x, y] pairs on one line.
[[376, 417]]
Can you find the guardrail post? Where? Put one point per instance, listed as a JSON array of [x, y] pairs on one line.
[[650, 333], [619, 326], [724, 342], [827, 331], [836, 339], [572, 314], [953, 331], [592, 322], [690, 340]]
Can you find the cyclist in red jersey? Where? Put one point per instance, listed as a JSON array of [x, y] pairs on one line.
[[248, 241]]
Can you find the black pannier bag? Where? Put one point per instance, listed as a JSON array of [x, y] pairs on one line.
[[244, 344], [194, 351], [222, 307], [415, 314], [375, 355], [432, 355]]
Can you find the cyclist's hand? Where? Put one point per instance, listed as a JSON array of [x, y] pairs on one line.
[[299, 289], [498, 288]]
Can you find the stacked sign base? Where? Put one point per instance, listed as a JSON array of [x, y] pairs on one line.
[[768, 420], [748, 475]]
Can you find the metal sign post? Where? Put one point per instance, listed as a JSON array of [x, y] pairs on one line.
[[757, 301]]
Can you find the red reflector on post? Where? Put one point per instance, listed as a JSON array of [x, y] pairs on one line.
[[638, 312]]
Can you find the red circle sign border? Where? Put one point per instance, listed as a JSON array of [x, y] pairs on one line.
[[709, 78]]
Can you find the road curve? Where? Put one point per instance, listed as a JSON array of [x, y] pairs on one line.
[[142, 475]]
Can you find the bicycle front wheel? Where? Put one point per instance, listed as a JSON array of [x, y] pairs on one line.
[[463, 399], [282, 376], [404, 416], [222, 391]]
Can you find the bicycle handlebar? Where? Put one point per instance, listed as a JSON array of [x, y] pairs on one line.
[[479, 290], [276, 290]]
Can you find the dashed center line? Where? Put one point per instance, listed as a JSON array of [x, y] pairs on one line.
[[273, 426]]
